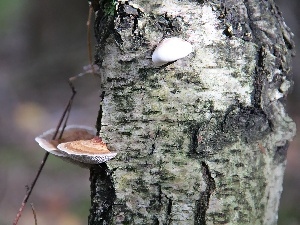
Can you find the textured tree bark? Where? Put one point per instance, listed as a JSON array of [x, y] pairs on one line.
[[202, 140]]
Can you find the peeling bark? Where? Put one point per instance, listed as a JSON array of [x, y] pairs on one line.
[[202, 140]]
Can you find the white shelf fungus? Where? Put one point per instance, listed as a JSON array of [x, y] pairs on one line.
[[171, 49]]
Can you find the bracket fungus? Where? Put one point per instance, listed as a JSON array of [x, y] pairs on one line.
[[170, 50], [78, 145], [91, 151]]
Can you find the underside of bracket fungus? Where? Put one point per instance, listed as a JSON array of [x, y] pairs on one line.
[[171, 49], [78, 145]]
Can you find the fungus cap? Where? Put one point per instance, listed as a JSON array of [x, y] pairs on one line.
[[91, 151], [78, 145], [71, 133], [171, 49]]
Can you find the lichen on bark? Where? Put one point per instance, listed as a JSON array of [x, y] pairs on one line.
[[201, 140]]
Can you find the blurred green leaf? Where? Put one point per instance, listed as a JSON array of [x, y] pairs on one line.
[[9, 10]]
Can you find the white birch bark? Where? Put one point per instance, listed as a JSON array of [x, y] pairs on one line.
[[202, 140]]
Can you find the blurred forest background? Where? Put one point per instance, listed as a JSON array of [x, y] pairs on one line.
[[43, 43]]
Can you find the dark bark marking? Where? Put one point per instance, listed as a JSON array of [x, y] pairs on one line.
[[198, 1], [165, 202], [102, 195], [261, 56], [234, 21], [251, 28], [259, 77], [124, 102], [220, 218], [194, 131], [103, 27], [206, 136], [202, 203], [169, 211], [152, 149], [153, 146], [168, 25], [159, 194], [155, 221], [228, 31], [127, 17], [100, 112], [95, 5], [248, 122], [281, 152], [267, 13]]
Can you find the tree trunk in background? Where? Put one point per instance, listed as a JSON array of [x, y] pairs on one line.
[[204, 139]]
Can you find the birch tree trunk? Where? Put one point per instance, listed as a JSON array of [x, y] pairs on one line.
[[202, 140]]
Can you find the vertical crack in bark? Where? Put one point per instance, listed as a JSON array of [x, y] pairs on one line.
[[252, 30], [153, 146], [202, 203], [194, 139], [159, 194], [169, 210], [194, 142], [259, 78], [102, 194], [100, 112]]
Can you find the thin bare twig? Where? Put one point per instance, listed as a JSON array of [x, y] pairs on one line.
[[89, 42], [34, 214], [64, 118]]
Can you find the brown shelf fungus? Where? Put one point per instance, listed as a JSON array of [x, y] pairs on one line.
[[78, 145]]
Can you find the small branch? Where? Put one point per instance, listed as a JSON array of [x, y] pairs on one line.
[[30, 189], [89, 42], [34, 214], [64, 116], [63, 120]]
